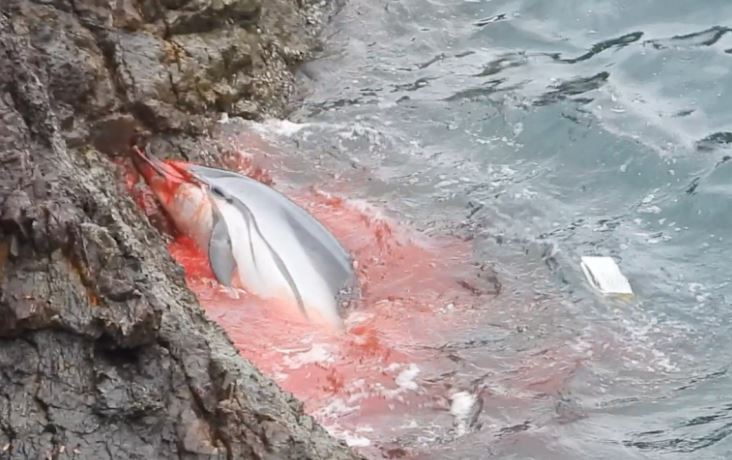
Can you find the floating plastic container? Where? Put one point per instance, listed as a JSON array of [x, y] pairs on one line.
[[605, 276]]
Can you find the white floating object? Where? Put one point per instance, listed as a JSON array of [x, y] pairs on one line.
[[465, 407], [605, 276]]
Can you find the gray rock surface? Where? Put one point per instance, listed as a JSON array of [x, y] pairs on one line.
[[104, 353]]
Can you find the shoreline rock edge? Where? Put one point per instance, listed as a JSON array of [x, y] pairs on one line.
[[104, 353]]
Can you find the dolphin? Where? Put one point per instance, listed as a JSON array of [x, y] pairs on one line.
[[255, 237]]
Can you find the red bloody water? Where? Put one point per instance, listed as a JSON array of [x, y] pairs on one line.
[[413, 294], [404, 284]]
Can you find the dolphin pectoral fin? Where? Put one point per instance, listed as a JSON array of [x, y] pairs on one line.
[[279, 263], [220, 252]]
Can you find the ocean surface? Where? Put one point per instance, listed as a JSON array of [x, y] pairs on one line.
[[536, 132]]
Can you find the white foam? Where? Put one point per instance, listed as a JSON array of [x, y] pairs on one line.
[[405, 379], [336, 408], [318, 353], [284, 128], [366, 208], [354, 440], [393, 367], [351, 438]]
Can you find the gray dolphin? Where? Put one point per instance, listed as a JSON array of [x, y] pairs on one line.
[[257, 238]]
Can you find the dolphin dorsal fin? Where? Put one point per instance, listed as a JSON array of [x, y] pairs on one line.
[[220, 250]]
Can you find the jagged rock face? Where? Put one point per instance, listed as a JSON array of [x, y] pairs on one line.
[[104, 354], [167, 62]]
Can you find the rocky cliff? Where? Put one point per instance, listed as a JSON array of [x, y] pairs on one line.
[[104, 353]]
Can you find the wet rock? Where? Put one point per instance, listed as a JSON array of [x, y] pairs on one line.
[[104, 353], [112, 134], [223, 80], [199, 16]]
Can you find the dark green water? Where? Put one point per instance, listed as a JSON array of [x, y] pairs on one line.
[[547, 130]]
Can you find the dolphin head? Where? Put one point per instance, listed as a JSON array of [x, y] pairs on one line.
[[181, 195]]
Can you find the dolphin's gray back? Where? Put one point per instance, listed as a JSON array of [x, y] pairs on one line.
[[328, 256]]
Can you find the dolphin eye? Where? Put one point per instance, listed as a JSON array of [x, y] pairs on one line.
[[218, 191]]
